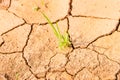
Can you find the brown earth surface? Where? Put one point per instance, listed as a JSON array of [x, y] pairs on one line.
[[29, 49]]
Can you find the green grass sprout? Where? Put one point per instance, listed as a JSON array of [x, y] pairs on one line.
[[63, 40]]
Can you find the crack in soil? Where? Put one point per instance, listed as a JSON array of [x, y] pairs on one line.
[[17, 16], [45, 23], [61, 19], [110, 60], [83, 67], [115, 62], [57, 70], [26, 62], [98, 47], [69, 73], [13, 28], [56, 21], [9, 4], [68, 24], [118, 26], [70, 7], [110, 33], [105, 56], [50, 62], [104, 35], [5, 4], [116, 75], [49, 66], [93, 17], [3, 41], [78, 72], [6, 53], [68, 60], [88, 70]]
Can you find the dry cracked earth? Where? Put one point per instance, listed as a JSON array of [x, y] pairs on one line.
[[29, 49]]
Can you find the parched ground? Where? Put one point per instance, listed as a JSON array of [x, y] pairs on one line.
[[29, 49]]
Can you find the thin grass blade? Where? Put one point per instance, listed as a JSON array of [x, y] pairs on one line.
[[54, 29], [58, 30]]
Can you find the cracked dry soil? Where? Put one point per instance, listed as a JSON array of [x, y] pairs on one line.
[[28, 47]]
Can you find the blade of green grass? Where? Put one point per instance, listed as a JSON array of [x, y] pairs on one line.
[[58, 30], [54, 29]]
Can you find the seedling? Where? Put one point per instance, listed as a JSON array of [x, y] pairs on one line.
[[63, 40]]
